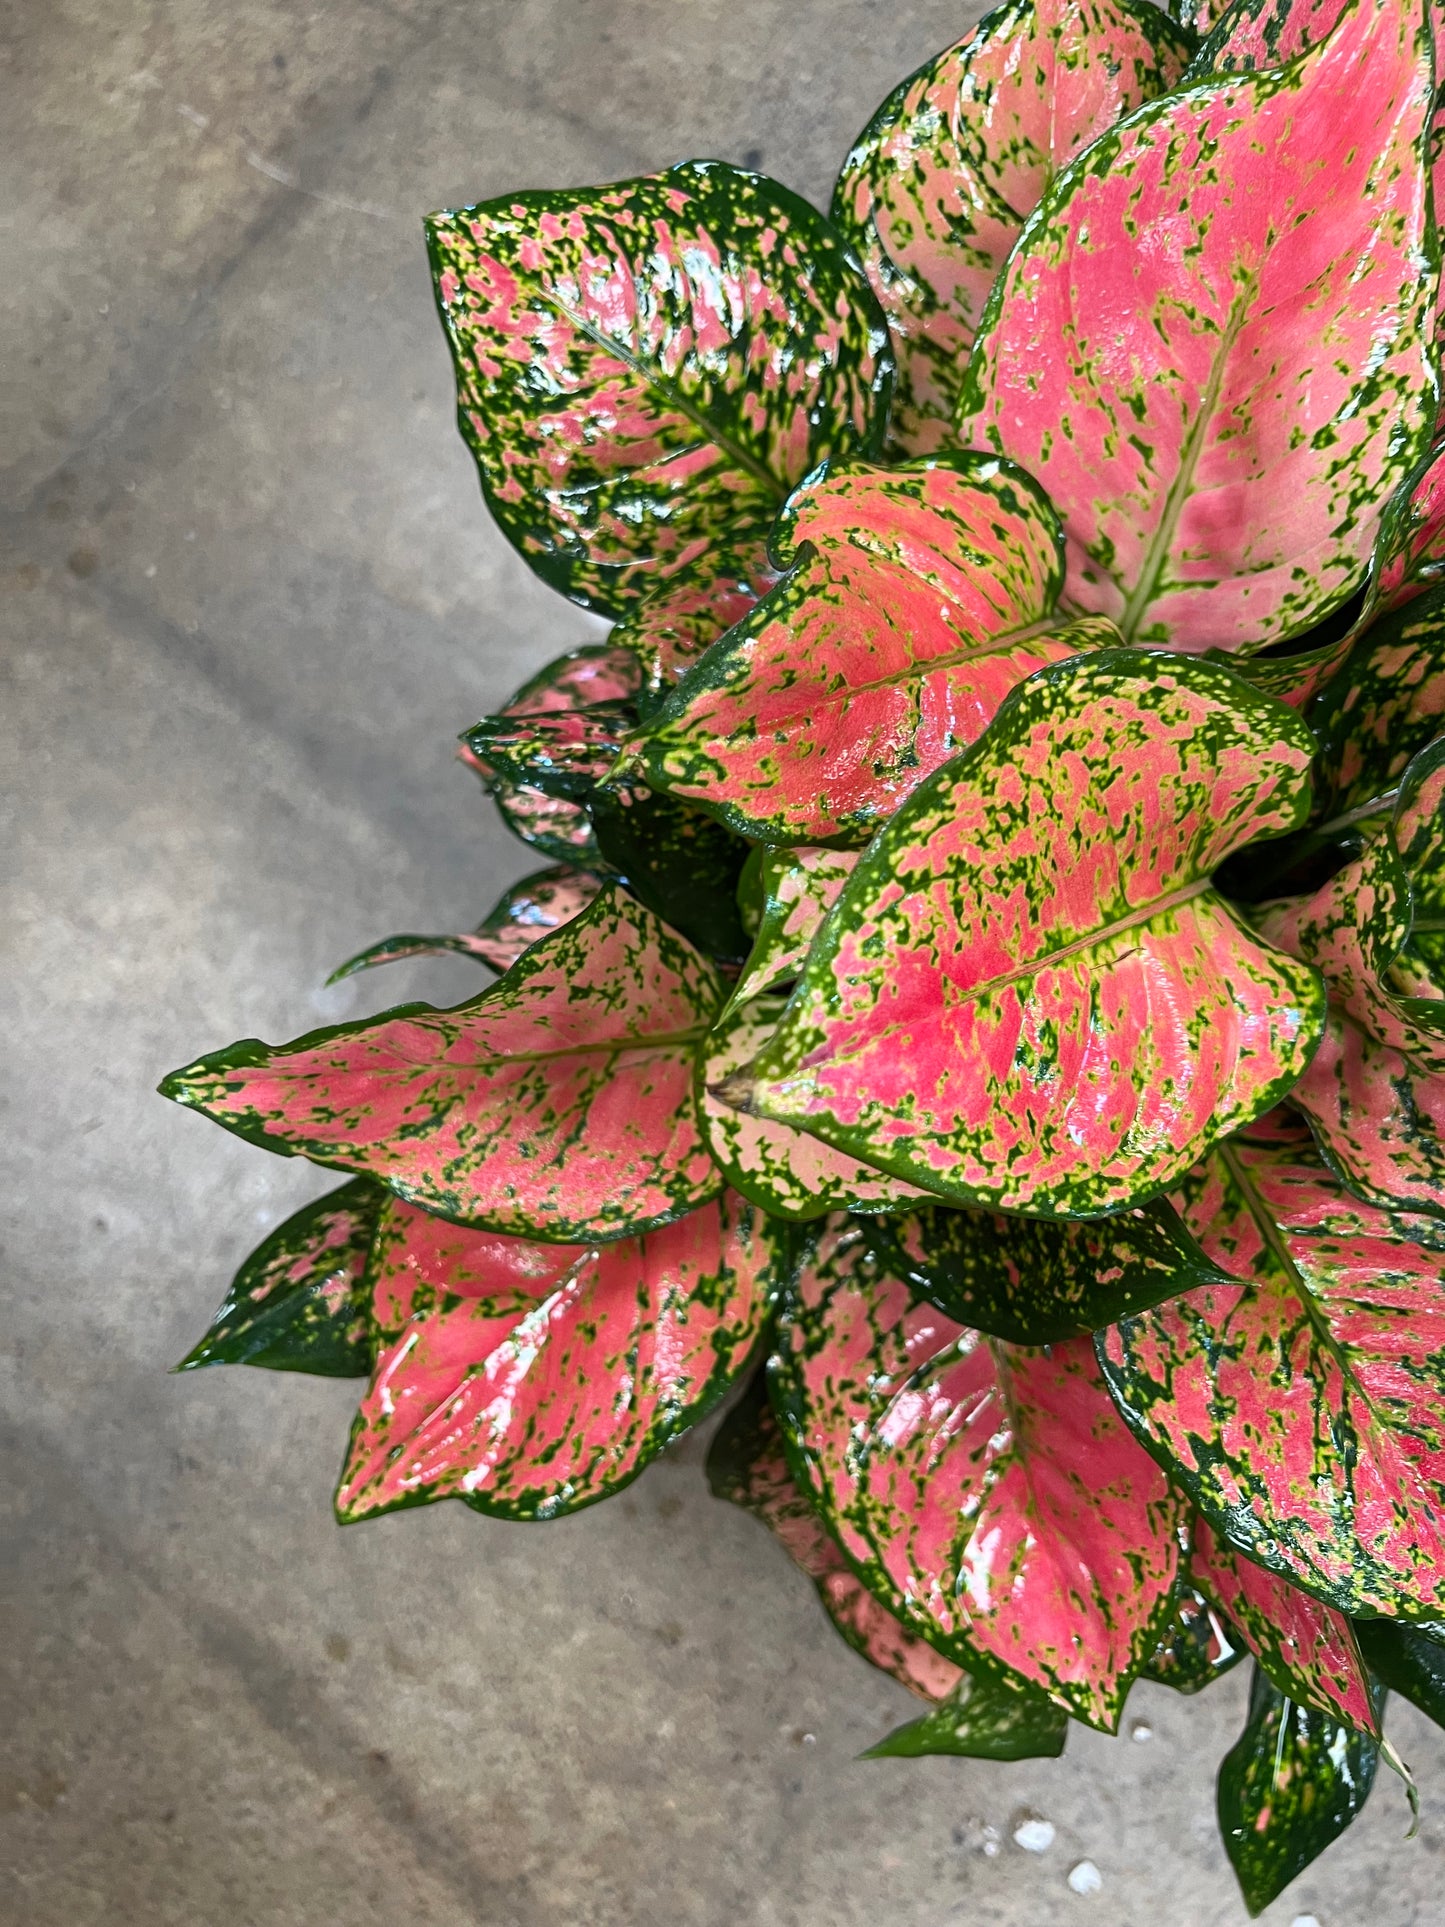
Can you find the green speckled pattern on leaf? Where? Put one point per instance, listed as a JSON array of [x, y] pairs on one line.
[[982, 1719], [1386, 704], [938, 184], [1028, 995], [989, 1495], [915, 599], [1291, 1783], [556, 1105], [1220, 366], [747, 1466], [1302, 1409], [300, 1301], [1035, 1280], [645, 370]]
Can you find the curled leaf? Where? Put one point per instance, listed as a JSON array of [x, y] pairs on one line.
[[1306, 1648], [937, 186], [645, 370], [531, 1379], [1029, 996], [915, 599], [795, 889], [1197, 1647], [988, 1495], [525, 913], [556, 1105]]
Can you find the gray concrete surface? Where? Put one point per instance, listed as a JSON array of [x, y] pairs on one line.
[[249, 596]]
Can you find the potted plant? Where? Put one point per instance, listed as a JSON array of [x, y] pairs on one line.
[[984, 1002]]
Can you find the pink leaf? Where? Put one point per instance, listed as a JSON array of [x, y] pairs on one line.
[[1308, 1649], [937, 187], [916, 599], [555, 1105], [1212, 345], [1304, 1410], [530, 1379], [989, 1495]]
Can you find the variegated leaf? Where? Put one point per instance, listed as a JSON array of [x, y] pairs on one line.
[[645, 370], [1302, 1410], [1409, 1660], [938, 184], [531, 1379], [298, 1304], [1198, 1646], [556, 1105], [793, 891], [671, 627], [915, 599], [1291, 1783], [1384, 707], [982, 1719], [747, 1466], [562, 752], [548, 824], [1033, 1281], [1410, 554], [525, 913], [1219, 371], [782, 1171], [988, 1495], [1378, 1117], [1251, 35], [1307, 1649], [678, 861], [1028, 995]]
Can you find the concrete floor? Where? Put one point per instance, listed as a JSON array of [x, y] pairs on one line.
[[249, 597]]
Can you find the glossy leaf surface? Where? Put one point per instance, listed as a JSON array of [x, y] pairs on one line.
[[982, 1719], [531, 1379], [1034, 1281], [645, 370], [555, 1105], [670, 628], [525, 913], [1219, 369], [916, 599], [562, 752], [1028, 995], [678, 861], [936, 189], [1291, 1783], [1306, 1648], [990, 1496], [1302, 1410], [795, 891], [782, 1171], [298, 1303], [1407, 1660], [1197, 1648], [1384, 707], [747, 1466], [1410, 554], [1378, 1117]]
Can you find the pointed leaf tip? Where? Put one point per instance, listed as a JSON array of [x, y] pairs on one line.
[[736, 1091]]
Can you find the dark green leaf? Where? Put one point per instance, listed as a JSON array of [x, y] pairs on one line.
[[1198, 1646], [982, 1719], [298, 1304], [1409, 1660], [1289, 1785], [1034, 1281], [678, 861]]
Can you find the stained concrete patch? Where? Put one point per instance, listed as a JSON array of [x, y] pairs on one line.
[[248, 597]]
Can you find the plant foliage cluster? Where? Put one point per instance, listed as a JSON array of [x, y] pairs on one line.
[[990, 964]]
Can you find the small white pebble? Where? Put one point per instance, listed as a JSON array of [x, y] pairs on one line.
[[1141, 1731], [1304, 1920], [1034, 1836], [989, 1849], [810, 1739], [1085, 1878]]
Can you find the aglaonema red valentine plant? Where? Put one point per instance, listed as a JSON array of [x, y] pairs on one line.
[[985, 1001]]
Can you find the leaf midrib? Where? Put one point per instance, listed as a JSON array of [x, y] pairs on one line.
[[604, 1047], [1087, 942], [759, 471], [1180, 489]]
